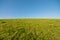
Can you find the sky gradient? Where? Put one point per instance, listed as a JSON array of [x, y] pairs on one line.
[[29, 8]]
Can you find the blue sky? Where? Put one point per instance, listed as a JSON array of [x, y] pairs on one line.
[[29, 8]]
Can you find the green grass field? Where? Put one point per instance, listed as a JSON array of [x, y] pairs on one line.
[[29, 29]]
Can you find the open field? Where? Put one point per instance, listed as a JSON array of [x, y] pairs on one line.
[[29, 29]]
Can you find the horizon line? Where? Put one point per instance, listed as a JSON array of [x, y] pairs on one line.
[[30, 18]]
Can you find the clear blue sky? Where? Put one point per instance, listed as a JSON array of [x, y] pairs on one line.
[[29, 8]]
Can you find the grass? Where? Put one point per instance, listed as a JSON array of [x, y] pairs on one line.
[[29, 29]]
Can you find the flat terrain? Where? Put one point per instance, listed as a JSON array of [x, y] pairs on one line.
[[29, 29]]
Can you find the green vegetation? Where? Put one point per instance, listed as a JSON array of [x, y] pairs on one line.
[[29, 29]]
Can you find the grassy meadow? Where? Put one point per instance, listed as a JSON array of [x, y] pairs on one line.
[[29, 29]]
